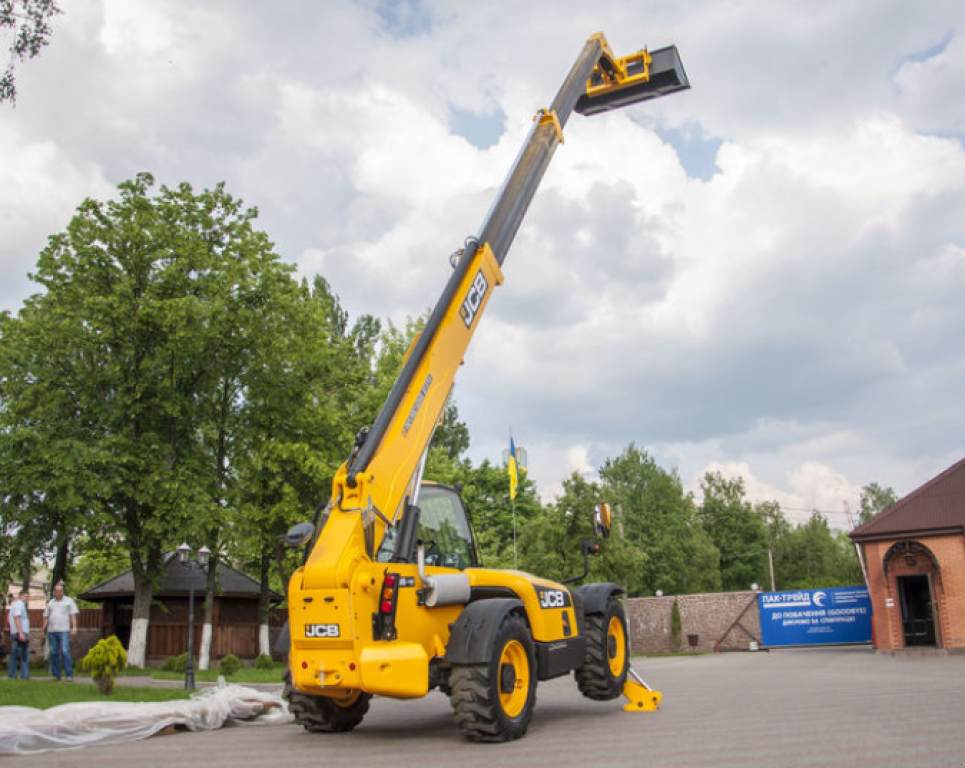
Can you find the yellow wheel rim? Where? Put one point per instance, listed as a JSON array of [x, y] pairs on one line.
[[616, 644], [513, 678], [348, 700]]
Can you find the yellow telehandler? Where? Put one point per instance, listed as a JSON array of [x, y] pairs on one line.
[[391, 599]]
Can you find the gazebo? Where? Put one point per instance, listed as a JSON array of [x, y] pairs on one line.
[[234, 623]]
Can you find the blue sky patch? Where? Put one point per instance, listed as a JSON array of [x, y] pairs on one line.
[[481, 131], [697, 154]]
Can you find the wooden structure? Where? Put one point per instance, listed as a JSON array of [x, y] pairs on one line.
[[915, 551], [235, 619]]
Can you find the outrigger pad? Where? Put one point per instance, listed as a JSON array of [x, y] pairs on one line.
[[642, 698], [667, 75]]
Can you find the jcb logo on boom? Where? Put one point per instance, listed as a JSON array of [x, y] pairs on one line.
[[473, 301], [321, 630], [552, 598]]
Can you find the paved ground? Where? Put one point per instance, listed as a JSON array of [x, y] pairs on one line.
[[842, 707]]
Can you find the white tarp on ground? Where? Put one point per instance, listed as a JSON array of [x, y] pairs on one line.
[[25, 730]]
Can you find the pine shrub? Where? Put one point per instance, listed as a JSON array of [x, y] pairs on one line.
[[104, 661]]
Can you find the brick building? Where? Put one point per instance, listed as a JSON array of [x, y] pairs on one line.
[[915, 551]]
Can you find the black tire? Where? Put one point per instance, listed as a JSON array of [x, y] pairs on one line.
[[320, 714], [607, 660], [494, 701]]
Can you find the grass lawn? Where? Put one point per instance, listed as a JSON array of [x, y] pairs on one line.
[[246, 675], [44, 694]]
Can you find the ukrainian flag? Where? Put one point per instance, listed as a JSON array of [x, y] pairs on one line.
[[513, 470]]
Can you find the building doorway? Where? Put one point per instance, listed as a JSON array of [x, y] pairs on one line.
[[917, 614]]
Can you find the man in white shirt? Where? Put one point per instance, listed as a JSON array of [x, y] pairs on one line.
[[60, 624], [19, 638]]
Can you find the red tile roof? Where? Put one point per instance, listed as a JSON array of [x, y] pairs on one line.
[[936, 508]]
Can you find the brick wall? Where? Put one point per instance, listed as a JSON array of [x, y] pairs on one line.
[[721, 621], [948, 589]]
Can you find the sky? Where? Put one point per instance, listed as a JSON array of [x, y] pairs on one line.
[[760, 276]]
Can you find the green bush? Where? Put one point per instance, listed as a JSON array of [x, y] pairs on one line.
[[264, 662], [230, 664], [176, 663], [104, 661], [675, 623], [37, 661]]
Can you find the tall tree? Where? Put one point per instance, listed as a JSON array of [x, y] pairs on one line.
[[875, 499], [736, 530], [659, 519], [26, 23], [147, 301]]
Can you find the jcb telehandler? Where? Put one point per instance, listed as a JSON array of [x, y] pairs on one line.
[[391, 600]]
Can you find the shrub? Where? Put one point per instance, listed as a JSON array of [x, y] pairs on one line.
[[264, 662], [230, 664], [176, 663], [104, 661], [675, 623]]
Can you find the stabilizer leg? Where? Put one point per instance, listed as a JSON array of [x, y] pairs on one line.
[[642, 698]]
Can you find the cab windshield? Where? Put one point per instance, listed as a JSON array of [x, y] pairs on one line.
[[443, 529]]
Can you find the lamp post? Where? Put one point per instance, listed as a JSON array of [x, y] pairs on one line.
[[200, 564]]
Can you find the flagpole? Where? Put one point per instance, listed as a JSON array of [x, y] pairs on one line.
[[515, 565], [512, 498]]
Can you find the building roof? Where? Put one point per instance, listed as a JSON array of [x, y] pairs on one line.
[[176, 582], [937, 508]]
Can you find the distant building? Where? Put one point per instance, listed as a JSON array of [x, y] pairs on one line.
[[38, 589], [235, 621], [915, 551]]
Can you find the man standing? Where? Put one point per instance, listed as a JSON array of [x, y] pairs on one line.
[[19, 638], [60, 624]]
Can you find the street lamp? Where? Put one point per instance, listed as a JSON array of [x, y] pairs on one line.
[[200, 564]]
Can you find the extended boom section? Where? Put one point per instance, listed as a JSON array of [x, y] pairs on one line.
[[391, 599]]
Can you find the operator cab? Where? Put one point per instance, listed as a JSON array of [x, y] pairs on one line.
[[443, 529]]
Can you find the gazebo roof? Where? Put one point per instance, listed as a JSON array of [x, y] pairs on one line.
[[176, 582], [937, 508]]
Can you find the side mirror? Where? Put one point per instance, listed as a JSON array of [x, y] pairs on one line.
[[601, 520], [298, 535]]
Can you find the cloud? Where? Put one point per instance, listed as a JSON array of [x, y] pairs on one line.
[[760, 274]]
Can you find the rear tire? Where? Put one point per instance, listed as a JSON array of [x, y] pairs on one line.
[[607, 660], [321, 714], [494, 701]]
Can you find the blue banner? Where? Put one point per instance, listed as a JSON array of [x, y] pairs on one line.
[[815, 617]]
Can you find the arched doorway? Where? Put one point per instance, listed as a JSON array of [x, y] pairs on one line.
[[913, 576]]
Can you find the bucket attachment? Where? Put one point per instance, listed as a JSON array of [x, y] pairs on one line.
[[643, 76], [642, 698]]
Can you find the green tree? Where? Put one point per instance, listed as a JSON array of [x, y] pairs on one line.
[[551, 541], [819, 557], [736, 530], [27, 24], [875, 499], [658, 519], [148, 303]]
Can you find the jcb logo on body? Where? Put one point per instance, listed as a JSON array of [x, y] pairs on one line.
[[321, 630], [474, 298], [552, 598]]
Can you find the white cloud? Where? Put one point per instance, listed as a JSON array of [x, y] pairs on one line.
[[795, 318]]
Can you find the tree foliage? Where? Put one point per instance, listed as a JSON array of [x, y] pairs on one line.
[[26, 23], [875, 499], [736, 529], [115, 374]]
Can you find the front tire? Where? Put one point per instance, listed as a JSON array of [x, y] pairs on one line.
[[494, 701], [320, 714], [607, 660]]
